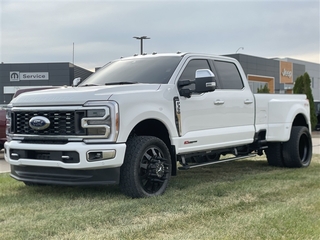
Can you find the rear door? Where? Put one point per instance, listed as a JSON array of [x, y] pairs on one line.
[[233, 106]]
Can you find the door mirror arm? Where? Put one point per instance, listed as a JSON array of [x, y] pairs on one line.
[[185, 92]]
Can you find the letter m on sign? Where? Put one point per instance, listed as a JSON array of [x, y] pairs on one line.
[[14, 76]]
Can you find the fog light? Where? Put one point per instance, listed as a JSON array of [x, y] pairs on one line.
[[99, 155], [14, 156]]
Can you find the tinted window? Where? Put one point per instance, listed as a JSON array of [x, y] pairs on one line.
[[229, 75], [139, 70], [190, 71]]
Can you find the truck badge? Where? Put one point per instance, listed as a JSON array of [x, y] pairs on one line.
[[39, 123]]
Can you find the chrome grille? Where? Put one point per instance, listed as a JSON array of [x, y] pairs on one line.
[[61, 122]]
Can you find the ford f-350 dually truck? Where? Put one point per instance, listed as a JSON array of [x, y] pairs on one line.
[[137, 120]]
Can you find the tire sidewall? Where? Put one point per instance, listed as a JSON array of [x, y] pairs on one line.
[[291, 148], [274, 154]]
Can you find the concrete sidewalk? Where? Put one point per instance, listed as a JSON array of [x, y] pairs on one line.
[[4, 166]]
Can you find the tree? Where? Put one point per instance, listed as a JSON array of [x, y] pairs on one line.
[[302, 86], [263, 89], [298, 87]]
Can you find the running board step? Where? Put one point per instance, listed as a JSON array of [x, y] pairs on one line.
[[186, 167]]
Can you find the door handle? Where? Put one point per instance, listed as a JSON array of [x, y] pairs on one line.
[[218, 102], [248, 101]]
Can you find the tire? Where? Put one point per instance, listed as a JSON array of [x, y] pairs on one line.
[[297, 152], [212, 157], [274, 154], [147, 167]]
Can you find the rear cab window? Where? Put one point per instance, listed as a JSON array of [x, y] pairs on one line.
[[228, 74]]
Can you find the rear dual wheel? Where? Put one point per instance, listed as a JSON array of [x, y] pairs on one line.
[[274, 154], [296, 153]]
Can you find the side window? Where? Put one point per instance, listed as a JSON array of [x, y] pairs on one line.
[[190, 70], [229, 75]]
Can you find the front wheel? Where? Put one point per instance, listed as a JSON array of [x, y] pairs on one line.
[[147, 167], [297, 152]]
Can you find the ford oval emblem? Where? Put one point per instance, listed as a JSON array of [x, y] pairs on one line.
[[39, 123]]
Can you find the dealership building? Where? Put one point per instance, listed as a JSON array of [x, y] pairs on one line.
[[278, 74], [15, 76]]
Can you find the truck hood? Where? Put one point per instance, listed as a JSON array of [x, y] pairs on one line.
[[77, 95]]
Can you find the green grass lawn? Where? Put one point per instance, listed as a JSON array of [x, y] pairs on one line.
[[246, 199]]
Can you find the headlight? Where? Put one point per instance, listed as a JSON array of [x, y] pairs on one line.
[[96, 112], [97, 131], [101, 119], [8, 123], [99, 122]]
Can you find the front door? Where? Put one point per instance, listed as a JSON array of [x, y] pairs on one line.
[[218, 119]]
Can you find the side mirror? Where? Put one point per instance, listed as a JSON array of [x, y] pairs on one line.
[[183, 83], [76, 81], [205, 81]]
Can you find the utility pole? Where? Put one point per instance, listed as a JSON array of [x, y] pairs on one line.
[[141, 42]]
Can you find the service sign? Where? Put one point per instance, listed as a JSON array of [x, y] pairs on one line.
[[20, 76]]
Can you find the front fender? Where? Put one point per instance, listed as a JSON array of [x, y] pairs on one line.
[[140, 108]]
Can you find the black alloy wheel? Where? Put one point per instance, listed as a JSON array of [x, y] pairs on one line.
[[147, 167]]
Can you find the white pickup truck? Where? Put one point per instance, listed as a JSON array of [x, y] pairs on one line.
[[139, 119]]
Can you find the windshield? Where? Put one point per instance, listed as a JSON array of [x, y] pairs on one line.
[[139, 70]]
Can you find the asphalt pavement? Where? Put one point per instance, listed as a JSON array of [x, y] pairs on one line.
[[4, 166]]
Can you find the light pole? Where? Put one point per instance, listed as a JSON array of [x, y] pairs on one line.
[[141, 42], [239, 49]]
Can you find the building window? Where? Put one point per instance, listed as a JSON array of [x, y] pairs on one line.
[[255, 85]]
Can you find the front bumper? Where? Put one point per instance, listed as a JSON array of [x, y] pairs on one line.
[[69, 177], [53, 169], [51, 155]]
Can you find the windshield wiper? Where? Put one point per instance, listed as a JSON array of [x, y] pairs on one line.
[[120, 83], [88, 85]]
